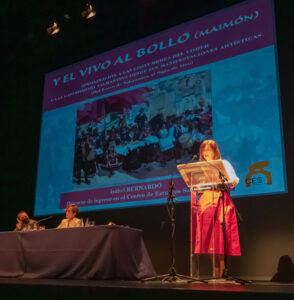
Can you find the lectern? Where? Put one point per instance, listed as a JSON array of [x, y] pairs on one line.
[[208, 180]]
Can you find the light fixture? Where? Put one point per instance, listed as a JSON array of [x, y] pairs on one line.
[[88, 12], [53, 29]]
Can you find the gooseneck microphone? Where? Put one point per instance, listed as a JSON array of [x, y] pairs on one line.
[[39, 221], [221, 175], [195, 156]]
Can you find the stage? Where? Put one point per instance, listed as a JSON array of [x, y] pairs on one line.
[[91, 289]]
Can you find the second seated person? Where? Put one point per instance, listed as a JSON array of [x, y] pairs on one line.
[[71, 221]]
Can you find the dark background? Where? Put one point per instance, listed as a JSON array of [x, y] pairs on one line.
[[267, 232]]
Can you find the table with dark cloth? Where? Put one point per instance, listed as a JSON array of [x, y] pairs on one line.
[[98, 252]]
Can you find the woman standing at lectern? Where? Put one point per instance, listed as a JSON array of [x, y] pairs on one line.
[[207, 216]]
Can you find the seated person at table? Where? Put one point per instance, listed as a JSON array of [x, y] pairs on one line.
[[71, 220], [24, 222]]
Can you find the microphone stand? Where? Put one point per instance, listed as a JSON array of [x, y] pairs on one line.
[[224, 188], [172, 275]]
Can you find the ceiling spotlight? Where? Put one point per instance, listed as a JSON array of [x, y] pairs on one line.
[[53, 29], [88, 12]]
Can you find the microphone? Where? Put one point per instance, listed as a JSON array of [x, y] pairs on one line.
[[39, 221], [221, 175]]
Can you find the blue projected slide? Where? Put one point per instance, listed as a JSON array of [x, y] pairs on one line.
[[115, 126]]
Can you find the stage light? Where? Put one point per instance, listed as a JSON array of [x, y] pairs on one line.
[[53, 29], [88, 12]]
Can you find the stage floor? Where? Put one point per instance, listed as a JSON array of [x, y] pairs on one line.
[[90, 289]]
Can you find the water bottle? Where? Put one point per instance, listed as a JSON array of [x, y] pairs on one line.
[[81, 222], [35, 227]]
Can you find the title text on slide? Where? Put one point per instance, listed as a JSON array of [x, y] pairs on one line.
[[153, 48]]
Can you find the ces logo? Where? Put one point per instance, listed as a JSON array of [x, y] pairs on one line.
[[255, 169]]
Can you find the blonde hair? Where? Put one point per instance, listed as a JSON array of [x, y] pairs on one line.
[[73, 207]]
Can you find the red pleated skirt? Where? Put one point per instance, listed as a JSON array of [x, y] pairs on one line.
[[206, 224]]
